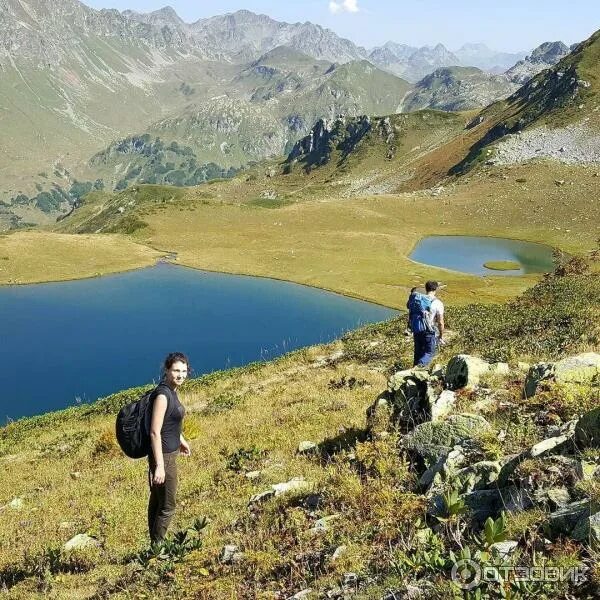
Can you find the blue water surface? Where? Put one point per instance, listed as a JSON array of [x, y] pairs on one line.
[[71, 342], [469, 253]]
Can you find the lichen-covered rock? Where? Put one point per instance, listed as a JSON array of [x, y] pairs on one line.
[[81, 541], [582, 368], [432, 440], [464, 370], [558, 497], [407, 401], [478, 476]]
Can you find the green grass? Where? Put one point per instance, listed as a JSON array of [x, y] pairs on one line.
[[72, 478], [502, 265]]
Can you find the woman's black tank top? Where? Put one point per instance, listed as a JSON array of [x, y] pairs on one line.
[[172, 424]]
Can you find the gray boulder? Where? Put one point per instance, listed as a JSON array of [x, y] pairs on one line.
[[464, 370], [80, 542], [588, 530], [582, 368], [432, 440], [443, 405], [564, 520], [445, 467], [407, 401]]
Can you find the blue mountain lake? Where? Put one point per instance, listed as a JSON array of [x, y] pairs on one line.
[[468, 254], [70, 342]]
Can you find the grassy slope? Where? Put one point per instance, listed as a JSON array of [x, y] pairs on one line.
[[72, 479], [359, 246], [34, 256]]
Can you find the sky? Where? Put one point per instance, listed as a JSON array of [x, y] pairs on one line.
[[507, 25]]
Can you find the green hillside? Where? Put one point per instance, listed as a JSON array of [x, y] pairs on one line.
[[360, 520]]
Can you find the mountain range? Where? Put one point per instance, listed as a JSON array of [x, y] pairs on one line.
[[94, 98]]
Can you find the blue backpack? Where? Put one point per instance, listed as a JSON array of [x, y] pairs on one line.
[[419, 313]]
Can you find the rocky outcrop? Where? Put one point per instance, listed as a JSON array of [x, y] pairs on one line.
[[543, 57], [458, 88], [342, 134], [582, 368]]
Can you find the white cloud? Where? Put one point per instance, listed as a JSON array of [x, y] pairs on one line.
[[338, 6]]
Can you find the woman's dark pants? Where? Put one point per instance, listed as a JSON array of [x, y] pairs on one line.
[[161, 506]]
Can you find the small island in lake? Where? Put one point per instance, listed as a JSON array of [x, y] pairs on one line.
[[502, 265]]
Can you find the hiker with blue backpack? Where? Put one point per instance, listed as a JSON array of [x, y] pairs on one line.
[[152, 427], [426, 321]]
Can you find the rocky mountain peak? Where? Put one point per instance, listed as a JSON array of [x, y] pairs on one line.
[[543, 57], [549, 52]]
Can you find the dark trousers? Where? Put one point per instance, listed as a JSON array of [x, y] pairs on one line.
[[161, 506], [424, 348]]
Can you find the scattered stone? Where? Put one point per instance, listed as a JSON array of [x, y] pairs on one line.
[[75, 475], [81, 541], [324, 361], [464, 371], [301, 595], [253, 475], [293, 485], [350, 579], [559, 182], [407, 402], [555, 444], [339, 552], [306, 447], [443, 405], [324, 524], [16, 503], [262, 497], [479, 476], [504, 549], [588, 530], [445, 467], [499, 369], [230, 555]]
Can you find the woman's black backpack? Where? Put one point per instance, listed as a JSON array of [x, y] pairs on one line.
[[133, 426]]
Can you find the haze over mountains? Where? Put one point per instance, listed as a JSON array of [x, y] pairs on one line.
[[110, 98]]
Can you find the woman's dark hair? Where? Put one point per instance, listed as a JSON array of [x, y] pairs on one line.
[[174, 357]]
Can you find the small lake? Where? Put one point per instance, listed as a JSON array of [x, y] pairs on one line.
[[71, 342], [468, 254]]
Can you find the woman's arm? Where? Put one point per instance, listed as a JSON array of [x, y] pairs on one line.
[[158, 417], [184, 447]]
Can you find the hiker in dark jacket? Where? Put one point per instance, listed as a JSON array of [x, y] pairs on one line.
[[426, 319], [167, 442]]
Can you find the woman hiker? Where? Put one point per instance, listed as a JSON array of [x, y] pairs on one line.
[[166, 442]]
